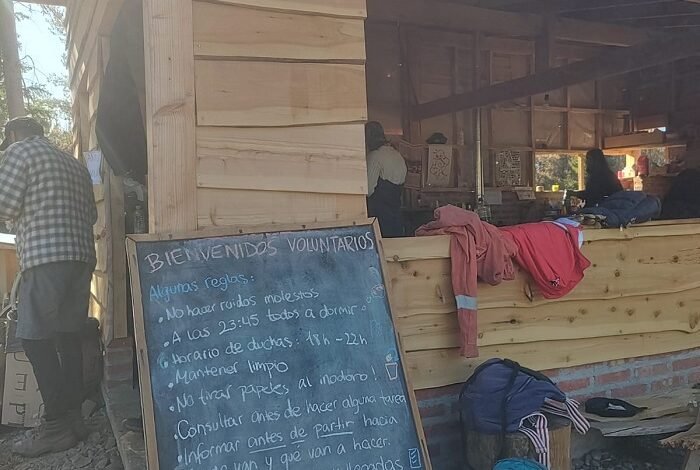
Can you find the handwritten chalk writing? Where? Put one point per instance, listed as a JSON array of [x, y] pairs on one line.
[[194, 356], [279, 367], [208, 396], [184, 401], [272, 352], [290, 457], [192, 375], [338, 425], [342, 377], [378, 421], [187, 430], [163, 293], [264, 416], [355, 403], [193, 334], [369, 444], [238, 302], [284, 315], [292, 411], [177, 313], [223, 282], [332, 244], [321, 407], [352, 339], [204, 452], [226, 327], [265, 440], [318, 452], [180, 256], [331, 311], [316, 339], [381, 464], [291, 297], [233, 349], [263, 390], [269, 344], [395, 399]]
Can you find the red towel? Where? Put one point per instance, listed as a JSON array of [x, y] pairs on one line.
[[550, 252], [478, 250]]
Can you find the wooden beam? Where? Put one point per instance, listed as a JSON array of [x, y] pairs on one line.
[[55, 3], [609, 64], [572, 6], [474, 19], [170, 115], [689, 20], [627, 13]]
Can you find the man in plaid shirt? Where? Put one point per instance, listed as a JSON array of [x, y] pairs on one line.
[[48, 195]]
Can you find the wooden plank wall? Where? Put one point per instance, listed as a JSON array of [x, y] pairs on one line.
[[640, 297], [89, 25], [280, 104]]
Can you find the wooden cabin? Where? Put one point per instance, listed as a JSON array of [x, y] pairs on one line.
[[253, 113]]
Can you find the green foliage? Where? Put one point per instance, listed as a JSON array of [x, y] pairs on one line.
[[558, 169], [54, 112]]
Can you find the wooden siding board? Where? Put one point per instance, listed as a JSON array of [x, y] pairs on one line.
[[323, 159], [638, 298], [246, 208], [341, 8], [279, 94], [440, 367], [271, 34]]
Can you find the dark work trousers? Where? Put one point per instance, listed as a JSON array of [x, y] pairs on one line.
[[52, 311], [58, 366]]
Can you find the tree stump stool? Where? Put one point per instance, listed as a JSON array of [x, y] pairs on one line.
[[483, 450]]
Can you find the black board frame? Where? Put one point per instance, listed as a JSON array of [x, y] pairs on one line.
[[145, 389]]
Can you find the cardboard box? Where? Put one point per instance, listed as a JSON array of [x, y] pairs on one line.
[[21, 403]]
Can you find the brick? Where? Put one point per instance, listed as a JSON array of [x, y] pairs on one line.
[[694, 378], [569, 386], [613, 377], [651, 371], [443, 429], [667, 384], [431, 411], [629, 391], [685, 364]]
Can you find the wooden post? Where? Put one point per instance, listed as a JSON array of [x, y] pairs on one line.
[[170, 115], [11, 65]]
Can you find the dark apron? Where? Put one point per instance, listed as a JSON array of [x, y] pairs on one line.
[[385, 205]]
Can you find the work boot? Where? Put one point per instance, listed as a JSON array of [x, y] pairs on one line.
[[78, 426], [56, 436]]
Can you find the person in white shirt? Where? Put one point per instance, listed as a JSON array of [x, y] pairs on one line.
[[386, 175]]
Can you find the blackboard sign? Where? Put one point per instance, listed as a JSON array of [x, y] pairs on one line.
[[271, 351]]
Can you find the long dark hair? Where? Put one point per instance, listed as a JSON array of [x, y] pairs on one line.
[[597, 165]]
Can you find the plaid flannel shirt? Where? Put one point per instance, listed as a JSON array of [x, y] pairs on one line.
[[48, 195]]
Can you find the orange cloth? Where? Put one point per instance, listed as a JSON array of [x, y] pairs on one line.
[[478, 251]]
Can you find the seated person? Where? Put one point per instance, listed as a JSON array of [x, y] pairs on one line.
[[601, 182], [386, 175]]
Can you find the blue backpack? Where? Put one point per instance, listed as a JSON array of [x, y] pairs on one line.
[[499, 394]]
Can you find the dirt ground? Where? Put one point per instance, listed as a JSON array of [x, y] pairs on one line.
[[99, 452]]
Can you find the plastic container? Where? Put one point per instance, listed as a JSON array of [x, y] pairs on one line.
[[643, 166]]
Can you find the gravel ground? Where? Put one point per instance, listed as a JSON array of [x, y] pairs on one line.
[[98, 452], [641, 453]]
